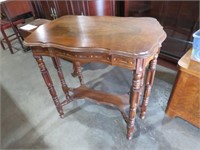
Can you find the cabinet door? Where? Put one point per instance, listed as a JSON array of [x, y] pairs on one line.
[[101, 8], [69, 7], [52, 9], [179, 19], [44, 5], [136, 8]]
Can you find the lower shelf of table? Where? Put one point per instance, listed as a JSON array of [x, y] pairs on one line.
[[121, 102]]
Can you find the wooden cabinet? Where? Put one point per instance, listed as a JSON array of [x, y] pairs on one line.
[[179, 19], [79, 7], [184, 101]]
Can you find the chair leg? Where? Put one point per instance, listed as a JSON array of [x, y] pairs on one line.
[[7, 40], [18, 36], [2, 45], [15, 30]]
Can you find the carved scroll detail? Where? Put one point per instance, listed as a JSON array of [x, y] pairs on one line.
[[85, 57]]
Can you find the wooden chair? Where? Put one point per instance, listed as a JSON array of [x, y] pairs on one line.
[[18, 11], [11, 37]]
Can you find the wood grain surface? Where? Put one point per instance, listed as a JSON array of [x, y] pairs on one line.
[[117, 35], [184, 101]]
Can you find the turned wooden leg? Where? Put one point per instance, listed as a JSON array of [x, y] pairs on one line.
[[57, 65], [134, 97], [148, 85], [49, 84], [74, 73], [142, 81], [77, 71]]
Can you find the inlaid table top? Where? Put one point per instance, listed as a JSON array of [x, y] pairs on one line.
[[114, 35]]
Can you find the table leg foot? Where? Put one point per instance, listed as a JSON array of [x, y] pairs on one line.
[[130, 132], [62, 115], [74, 73], [171, 113], [77, 72]]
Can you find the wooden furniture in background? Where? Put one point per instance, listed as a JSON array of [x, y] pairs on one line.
[[16, 9], [179, 19], [184, 101], [125, 42], [137, 8], [15, 12], [49, 9], [19, 13], [8, 38]]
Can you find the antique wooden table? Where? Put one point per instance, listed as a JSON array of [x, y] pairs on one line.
[[128, 42], [184, 101]]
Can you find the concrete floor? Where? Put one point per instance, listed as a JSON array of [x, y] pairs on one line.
[[29, 119]]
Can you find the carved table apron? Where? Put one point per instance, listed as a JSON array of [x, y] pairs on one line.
[[127, 42]]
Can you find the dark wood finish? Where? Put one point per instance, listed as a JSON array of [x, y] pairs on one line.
[[5, 24], [134, 97], [118, 101], [16, 12], [70, 7], [15, 9], [136, 8], [77, 72], [184, 101], [101, 8], [49, 84], [167, 64], [125, 42], [57, 65], [148, 85], [111, 39], [179, 18], [37, 9]]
